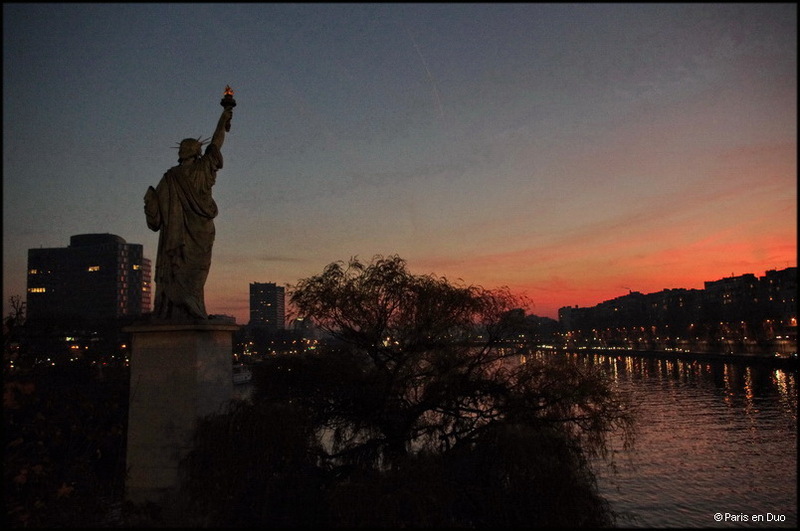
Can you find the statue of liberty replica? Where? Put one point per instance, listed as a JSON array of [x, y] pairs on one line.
[[182, 209], [181, 360]]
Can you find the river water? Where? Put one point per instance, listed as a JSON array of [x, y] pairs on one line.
[[712, 438], [716, 444]]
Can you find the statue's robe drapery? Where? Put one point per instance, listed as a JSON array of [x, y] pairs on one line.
[[182, 209]]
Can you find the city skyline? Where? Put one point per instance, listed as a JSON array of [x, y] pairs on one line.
[[569, 152], [261, 293]]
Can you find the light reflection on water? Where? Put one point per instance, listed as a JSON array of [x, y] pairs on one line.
[[712, 438]]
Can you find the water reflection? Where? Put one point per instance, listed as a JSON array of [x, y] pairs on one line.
[[712, 437]]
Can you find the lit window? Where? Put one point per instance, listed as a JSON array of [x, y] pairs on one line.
[[36, 290], [136, 267], [33, 272], [94, 268]]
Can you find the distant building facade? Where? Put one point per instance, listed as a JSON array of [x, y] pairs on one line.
[[779, 292], [743, 308], [733, 298], [736, 298], [267, 306], [99, 276]]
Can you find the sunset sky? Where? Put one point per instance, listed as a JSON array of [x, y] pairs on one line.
[[571, 152]]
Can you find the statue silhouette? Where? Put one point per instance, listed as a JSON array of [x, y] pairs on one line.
[[182, 209]]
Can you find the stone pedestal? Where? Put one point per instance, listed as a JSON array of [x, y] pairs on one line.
[[179, 373]]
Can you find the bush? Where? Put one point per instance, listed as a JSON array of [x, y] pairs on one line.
[[65, 431]]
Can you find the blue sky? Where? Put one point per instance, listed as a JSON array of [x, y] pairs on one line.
[[568, 151]]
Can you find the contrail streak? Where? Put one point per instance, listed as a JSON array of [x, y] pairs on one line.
[[428, 72]]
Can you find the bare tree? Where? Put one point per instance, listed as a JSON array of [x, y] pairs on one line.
[[423, 415], [436, 370], [12, 325]]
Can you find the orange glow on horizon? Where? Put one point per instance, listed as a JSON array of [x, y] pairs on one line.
[[576, 285]]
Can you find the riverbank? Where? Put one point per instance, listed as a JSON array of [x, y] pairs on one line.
[[779, 361]]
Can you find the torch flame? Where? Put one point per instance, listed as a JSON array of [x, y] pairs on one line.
[[228, 91]]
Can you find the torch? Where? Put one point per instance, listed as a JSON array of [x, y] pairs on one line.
[[228, 102]]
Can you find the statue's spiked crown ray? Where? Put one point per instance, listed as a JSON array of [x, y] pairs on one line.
[[202, 142]]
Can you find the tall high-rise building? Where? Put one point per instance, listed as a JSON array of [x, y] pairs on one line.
[[99, 276], [267, 305]]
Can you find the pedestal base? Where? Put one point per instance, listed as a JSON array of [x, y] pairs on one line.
[[179, 373]]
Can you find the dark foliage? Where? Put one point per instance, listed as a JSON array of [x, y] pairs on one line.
[[65, 431], [416, 418], [256, 464]]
